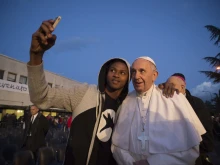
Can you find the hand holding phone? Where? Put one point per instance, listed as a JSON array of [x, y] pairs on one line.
[[56, 21], [43, 39]]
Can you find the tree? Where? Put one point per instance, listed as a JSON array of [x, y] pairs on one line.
[[216, 101], [210, 106], [215, 33], [214, 61]]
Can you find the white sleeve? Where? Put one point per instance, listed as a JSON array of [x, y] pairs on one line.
[[184, 158], [121, 156]]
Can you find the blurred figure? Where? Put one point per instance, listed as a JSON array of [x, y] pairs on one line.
[[56, 123], [207, 144], [21, 121], [5, 120], [14, 120], [69, 121], [35, 131], [216, 127], [50, 120]]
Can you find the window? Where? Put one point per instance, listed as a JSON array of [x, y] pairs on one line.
[[50, 84], [57, 86], [1, 74], [23, 80], [11, 77]]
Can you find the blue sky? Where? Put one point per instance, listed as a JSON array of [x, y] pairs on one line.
[[169, 31]]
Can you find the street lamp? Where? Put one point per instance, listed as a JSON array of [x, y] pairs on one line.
[[218, 68]]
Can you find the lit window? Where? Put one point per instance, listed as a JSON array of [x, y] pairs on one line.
[[23, 80], [11, 77], [1, 74]]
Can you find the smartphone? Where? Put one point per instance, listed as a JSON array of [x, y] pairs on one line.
[[57, 20]]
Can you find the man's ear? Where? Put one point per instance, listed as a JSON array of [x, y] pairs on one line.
[[155, 75], [183, 87]]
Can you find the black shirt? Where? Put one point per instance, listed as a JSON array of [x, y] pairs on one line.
[[101, 154]]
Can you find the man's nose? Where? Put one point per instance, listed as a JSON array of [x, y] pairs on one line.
[[136, 75], [116, 74]]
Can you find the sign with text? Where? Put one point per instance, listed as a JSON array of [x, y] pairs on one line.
[[14, 87]]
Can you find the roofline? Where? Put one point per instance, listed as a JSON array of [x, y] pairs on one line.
[[44, 69]]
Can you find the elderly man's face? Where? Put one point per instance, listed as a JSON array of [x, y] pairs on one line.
[[177, 83], [143, 74]]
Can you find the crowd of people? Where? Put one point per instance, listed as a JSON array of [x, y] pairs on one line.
[[32, 134], [57, 122], [10, 120]]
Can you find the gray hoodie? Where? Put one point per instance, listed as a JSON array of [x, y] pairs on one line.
[[93, 114]]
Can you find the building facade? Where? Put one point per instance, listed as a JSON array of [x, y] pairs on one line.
[[13, 83]]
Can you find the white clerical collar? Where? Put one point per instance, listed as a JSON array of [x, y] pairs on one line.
[[145, 93]]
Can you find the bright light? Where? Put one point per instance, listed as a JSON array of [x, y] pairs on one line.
[[19, 111], [218, 68]]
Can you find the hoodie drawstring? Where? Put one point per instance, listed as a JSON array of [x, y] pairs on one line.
[[99, 109]]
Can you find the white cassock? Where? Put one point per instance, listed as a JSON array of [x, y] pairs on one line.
[[172, 130]]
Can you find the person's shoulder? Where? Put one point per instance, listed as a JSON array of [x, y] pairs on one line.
[[199, 105], [82, 89], [131, 95], [92, 86], [156, 89], [77, 84], [43, 117], [198, 100]]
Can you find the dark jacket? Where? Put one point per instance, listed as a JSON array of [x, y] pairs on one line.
[[39, 130], [207, 144]]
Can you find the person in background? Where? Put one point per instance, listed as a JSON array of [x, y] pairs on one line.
[[35, 131], [56, 123], [207, 143], [69, 121]]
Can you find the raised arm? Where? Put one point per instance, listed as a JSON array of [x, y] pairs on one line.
[[42, 40], [41, 94]]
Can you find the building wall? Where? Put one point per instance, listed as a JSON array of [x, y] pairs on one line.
[[15, 93]]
